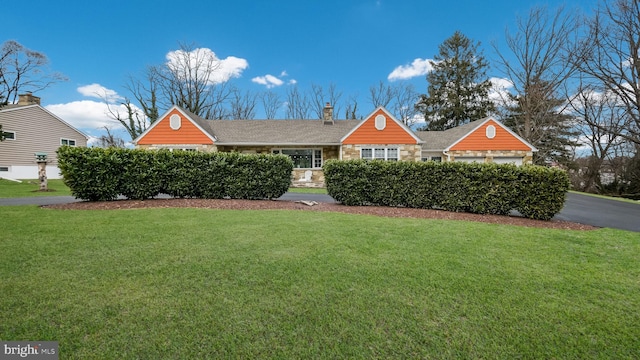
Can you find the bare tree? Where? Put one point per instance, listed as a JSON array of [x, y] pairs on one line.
[[110, 140], [320, 98], [612, 57], [243, 104], [538, 65], [146, 93], [601, 117], [381, 95], [351, 109], [133, 120], [271, 104], [191, 78], [298, 105], [22, 69], [404, 103]]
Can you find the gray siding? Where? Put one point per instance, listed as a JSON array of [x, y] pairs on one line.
[[37, 130]]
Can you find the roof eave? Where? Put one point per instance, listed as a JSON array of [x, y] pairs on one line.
[[275, 144]]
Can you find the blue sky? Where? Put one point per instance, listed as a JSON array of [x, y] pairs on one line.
[[352, 44]]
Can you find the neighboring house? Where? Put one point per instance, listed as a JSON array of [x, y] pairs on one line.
[[310, 143], [31, 128]]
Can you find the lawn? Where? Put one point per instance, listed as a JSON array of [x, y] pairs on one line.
[[29, 188], [198, 283]]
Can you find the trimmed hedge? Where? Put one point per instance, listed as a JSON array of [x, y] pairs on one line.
[[98, 174], [536, 192]]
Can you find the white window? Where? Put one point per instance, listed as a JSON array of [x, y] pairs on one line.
[[175, 121], [379, 153], [491, 131], [381, 122], [69, 142], [303, 158], [9, 135]]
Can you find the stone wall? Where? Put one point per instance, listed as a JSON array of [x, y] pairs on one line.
[[411, 152], [200, 147], [527, 156], [317, 177]]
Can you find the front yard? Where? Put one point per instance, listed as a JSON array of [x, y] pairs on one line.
[[198, 283]]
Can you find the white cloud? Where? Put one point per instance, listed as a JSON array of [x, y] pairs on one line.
[[419, 67], [85, 114], [100, 92], [268, 80], [208, 65], [500, 90], [271, 81]]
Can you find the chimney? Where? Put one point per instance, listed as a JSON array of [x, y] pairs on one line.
[[28, 99], [327, 114]]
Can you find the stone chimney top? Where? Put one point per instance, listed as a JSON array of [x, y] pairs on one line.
[[28, 99], [327, 114]]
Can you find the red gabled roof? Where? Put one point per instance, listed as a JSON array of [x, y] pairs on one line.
[[190, 132], [477, 139], [394, 131]]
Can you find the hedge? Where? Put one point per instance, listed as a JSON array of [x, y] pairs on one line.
[[98, 174], [536, 192]]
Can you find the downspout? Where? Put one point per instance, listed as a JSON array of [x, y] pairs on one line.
[[448, 155]]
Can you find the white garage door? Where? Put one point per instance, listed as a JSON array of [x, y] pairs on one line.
[[508, 160], [470, 159]]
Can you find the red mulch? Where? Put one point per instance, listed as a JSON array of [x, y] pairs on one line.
[[290, 205]]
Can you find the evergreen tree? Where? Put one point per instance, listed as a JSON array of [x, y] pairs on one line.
[[458, 86], [538, 118]]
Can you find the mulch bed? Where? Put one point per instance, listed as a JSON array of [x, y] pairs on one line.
[[290, 205]]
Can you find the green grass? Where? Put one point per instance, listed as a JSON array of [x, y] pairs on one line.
[[308, 190], [198, 283], [30, 188], [607, 197]]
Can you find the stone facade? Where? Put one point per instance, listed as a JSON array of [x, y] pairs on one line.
[[199, 147], [527, 156], [407, 152], [317, 177]]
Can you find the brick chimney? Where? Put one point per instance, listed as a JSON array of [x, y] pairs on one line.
[[327, 114], [28, 99]]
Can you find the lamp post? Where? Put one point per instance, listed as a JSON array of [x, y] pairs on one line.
[[41, 159]]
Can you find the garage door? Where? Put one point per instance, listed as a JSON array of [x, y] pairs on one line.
[[469, 159], [508, 160]]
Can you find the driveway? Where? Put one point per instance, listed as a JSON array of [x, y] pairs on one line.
[[591, 210], [579, 208]]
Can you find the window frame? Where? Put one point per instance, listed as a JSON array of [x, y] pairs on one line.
[[375, 153], [13, 133], [62, 140], [316, 156]]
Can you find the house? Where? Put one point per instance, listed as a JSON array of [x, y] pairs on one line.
[[30, 128], [310, 143], [484, 140]]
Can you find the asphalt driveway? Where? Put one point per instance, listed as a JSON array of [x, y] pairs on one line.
[[579, 208]]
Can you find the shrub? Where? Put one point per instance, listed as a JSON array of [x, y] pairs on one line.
[[536, 192], [91, 173], [103, 174]]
